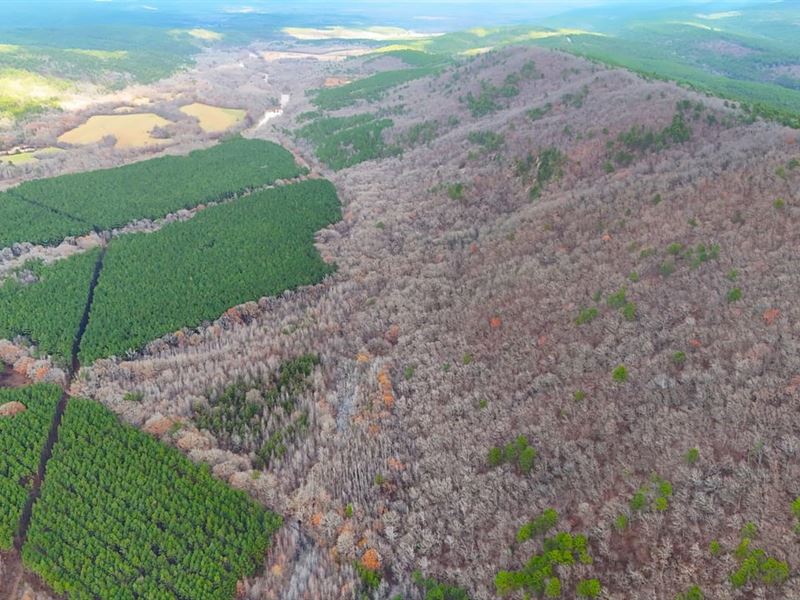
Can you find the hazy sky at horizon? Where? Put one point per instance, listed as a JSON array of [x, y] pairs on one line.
[[416, 14]]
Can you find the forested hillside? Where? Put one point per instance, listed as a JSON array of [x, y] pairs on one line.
[[451, 317], [555, 359]]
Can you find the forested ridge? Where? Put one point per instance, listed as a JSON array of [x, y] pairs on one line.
[[563, 299]]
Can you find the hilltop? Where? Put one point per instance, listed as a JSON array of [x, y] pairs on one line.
[[558, 285]]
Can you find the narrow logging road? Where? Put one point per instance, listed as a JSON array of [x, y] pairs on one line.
[[52, 437]]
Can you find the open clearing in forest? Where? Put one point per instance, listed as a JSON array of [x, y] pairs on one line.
[[214, 119], [353, 33], [32, 156], [201, 34], [130, 131], [22, 158], [333, 55]]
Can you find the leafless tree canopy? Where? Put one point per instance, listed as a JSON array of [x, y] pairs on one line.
[[450, 328]]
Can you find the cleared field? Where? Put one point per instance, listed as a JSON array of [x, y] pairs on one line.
[[149, 189], [129, 130], [214, 119], [201, 34], [132, 518], [23, 432], [332, 56], [48, 310], [24, 158], [353, 33], [190, 272], [100, 54]]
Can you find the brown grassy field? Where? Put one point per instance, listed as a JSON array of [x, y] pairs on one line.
[[129, 130], [214, 119]]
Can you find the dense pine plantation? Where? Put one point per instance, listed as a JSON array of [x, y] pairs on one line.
[[24, 221], [22, 437], [49, 310], [186, 273], [149, 189], [369, 88], [132, 518]]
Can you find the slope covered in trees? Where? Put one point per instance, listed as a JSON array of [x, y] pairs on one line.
[[148, 189], [132, 518], [342, 142], [22, 437], [187, 273], [369, 89], [631, 320]]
